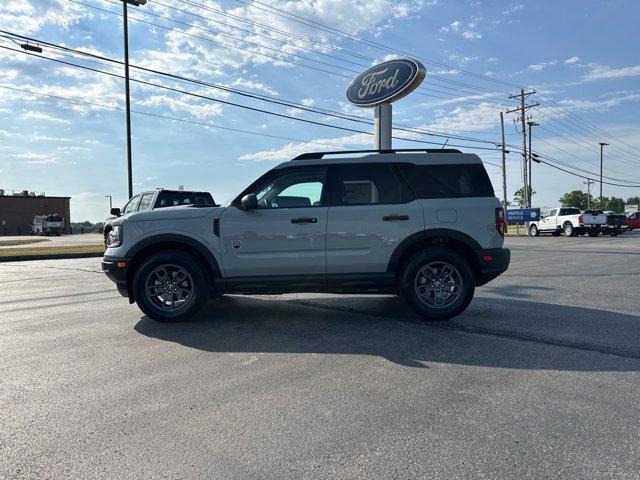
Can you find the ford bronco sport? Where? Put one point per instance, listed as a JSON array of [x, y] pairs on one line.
[[424, 224]]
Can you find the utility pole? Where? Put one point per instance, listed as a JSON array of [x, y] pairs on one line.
[[522, 118], [110, 201], [135, 3], [588, 184], [504, 172], [530, 190], [602, 145]]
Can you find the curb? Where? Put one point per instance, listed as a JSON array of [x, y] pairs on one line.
[[49, 256]]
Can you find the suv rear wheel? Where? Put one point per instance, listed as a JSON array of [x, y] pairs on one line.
[[437, 284], [170, 286]]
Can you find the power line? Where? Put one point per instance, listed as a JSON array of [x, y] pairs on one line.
[[262, 97], [247, 107], [356, 38], [278, 59], [274, 113], [166, 117]]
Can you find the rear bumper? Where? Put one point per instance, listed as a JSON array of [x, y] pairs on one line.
[[493, 262], [115, 268]]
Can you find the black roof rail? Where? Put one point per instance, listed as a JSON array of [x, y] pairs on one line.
[[319, 155]]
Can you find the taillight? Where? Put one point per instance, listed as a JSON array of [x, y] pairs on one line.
[[580, 219], [500, 224]]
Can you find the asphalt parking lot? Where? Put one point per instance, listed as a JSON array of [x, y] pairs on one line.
[[539, 378]]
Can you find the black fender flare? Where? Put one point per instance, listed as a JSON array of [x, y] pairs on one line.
[[418, 237], [181, 239]]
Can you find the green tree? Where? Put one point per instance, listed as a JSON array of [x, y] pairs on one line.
[[578, 199], [614, 204], [518, 197], [633, 201]]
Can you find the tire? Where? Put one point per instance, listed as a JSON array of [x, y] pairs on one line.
[[556, 233], [412, 279], [568, 230], [533, 231], [163, 271]]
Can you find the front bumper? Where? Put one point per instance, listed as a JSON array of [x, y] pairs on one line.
[[492, 262], [116, 270]]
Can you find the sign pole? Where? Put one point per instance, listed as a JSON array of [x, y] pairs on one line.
[[382, 123]]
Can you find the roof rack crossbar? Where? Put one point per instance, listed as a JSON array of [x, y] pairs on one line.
[[319, 155]]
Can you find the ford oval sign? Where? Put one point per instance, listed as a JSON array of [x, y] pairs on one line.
[[386, 82]]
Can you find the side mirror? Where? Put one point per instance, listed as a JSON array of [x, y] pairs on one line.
[[249, 202], [115, 211]]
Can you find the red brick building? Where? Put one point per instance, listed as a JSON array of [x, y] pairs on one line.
[[17, 212]]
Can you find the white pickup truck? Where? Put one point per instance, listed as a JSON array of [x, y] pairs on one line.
[[567, 220]]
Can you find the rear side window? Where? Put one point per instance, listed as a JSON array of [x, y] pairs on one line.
[[174, 199], [369, 184], [448, 181], [569, 211]]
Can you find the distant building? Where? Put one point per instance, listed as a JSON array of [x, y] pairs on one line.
[[17, 211]]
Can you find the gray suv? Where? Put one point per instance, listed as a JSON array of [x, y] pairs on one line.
[[424, 224]]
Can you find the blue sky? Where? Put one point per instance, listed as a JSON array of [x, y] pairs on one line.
[[580, 55]]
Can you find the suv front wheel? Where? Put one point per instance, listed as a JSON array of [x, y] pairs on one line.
[[170, 286], [438, 284]]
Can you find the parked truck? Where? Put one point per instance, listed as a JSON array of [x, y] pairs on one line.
[[50, 224], [567, 220], [607, 223]]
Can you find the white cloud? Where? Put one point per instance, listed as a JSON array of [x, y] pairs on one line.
[[33, 115], [600, 72], [291, 150], [572, 60], [35, 158], [471, 35], [203, 110], [211, 53], [542, 65], [513, 9], [253, 85], [601, 105], [476, 118], [30, 16], [468, 32], [45, 138]]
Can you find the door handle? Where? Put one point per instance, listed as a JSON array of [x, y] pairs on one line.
[[390, 218], [304, 220]]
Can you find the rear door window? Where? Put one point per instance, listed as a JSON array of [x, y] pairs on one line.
[[369, 184], [448, 181]]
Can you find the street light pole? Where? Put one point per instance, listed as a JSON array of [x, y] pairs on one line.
[[136, 3], [602, 145], [110, 201]]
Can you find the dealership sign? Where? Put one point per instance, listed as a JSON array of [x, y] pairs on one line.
[[523, 215], [386, 82]]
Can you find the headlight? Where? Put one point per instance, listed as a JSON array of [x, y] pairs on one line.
[[114, 237]]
